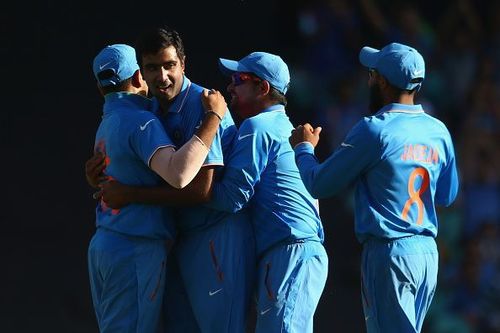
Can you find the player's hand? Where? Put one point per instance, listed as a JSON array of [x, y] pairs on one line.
[[115, 194], [305, 133], [213, 100], [94, 169]]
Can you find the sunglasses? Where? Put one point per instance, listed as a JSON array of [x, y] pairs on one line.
[[240, 78]]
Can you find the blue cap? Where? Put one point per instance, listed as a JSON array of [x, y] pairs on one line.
[[114, 64], [265, 65], [400, 64]]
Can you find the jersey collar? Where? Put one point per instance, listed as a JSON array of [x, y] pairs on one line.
[[401, 108], [112, 99], [277, 107]]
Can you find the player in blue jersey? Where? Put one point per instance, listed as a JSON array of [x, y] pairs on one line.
[[217, 246], [127, 254], [261, 174], [402, 163]]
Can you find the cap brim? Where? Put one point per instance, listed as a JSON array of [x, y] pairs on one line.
[[228, 67], [368, 56]]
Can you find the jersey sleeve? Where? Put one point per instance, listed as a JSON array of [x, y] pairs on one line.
[[360, 149], [215, 155], [447, 184], [247, 161], [149, 136]]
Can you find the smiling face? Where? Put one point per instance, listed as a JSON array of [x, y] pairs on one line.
[[163, 72]]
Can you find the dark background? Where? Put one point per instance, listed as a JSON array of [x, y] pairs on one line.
[[52, 109]]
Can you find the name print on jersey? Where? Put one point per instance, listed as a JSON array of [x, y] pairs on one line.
[[420, 153]]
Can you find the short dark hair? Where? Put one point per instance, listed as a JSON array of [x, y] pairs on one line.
[[154, 40], [277, 96], [122, 86]]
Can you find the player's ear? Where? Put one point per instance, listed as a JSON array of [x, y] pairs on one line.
[[183, 63], [137, 80], [264, 87]]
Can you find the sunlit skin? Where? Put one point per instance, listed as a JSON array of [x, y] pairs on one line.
[[249, 97], [164, 74]]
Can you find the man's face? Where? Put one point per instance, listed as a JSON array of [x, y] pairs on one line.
[[243, 89], [163, 73], [376, 97]]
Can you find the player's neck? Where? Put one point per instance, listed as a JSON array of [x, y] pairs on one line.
[[401, 99]]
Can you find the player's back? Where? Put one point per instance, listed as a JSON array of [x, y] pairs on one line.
[[414, 171], [129, 136]]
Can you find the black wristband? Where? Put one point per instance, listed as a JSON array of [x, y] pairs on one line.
[[215, 113]]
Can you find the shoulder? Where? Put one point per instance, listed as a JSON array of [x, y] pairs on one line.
[[370, 126], [438, 123], [196, 89]]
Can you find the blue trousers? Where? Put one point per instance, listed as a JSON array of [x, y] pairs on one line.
[[398, 279], [127, 280], [217, 265], [291, 279]]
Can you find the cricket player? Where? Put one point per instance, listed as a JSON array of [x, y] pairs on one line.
[[215, 250], [127, 254], [402, 163], [261, 174]]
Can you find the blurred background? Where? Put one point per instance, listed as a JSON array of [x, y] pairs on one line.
[[52, 109]]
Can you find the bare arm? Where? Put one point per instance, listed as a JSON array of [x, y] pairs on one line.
[[117, 195], [178, 168]]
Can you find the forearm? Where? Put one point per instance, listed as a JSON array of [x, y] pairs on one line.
[[233, 192], [321, 180], [197, 192], [178, 168], [209, 127]]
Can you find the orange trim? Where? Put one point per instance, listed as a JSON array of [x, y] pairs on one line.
[[218, 270]]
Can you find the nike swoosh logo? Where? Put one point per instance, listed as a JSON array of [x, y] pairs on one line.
[[263, 312], [343, 144], [143, 127], [102, 66], [241, 137], [211, 293], [418, 72]]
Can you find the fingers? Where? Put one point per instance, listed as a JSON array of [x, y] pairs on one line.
[[308, 127], [317, 130], [97, 161], [207, 92]]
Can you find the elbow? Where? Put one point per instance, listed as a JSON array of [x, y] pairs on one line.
[[180, 181], [177, 183]]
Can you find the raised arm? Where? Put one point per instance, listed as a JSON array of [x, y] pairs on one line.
[[117, 195], [178, 168]]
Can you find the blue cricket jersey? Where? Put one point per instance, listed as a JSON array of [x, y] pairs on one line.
[[402, 162], [129, 136], [262, 167], [181, 121]]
